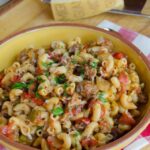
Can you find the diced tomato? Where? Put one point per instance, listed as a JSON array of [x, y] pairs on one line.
[[27, 95], [103, 124], [39, 71], [123, 89], [7, 130], [92, 142], [103, 111], [88, 142], [38, 101], [16, 78], [118, 55], [84, 120], [127, 119], [49, 142], [123, 78], [76, 110]]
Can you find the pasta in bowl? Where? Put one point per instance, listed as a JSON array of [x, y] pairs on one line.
[[70, 95], [54, 95]]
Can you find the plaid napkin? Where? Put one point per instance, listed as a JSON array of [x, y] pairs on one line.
[[143, 43], [139, 40]]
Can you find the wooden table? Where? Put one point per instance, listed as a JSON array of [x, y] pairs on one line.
[[29, 13]]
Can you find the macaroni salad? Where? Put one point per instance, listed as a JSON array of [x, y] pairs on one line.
[[69, 96]]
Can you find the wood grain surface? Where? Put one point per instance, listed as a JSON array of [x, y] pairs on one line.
[[146, 9], [29, 13]]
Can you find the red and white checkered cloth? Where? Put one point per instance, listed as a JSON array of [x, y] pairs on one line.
[[143, 43]]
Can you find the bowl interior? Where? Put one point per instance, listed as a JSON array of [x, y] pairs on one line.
[[43, 36]]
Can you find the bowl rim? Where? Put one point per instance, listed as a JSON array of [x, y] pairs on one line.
[[143, 122]]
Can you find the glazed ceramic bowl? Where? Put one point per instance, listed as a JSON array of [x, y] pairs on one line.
[[43, 35]]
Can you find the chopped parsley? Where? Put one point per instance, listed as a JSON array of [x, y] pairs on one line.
[[57, 111], [30, 83], [37, 95], [19, 85], [101, 97], [77, 133], [74, 61], [39, 78], [47, 74], [65, 94], [60, 79], [65, 85], [46, 65], [22, 85], [93, 64]]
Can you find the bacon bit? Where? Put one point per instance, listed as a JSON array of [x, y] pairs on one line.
[[118, 55], [16, 78], [38, 101], [88, 142], [123, 78], [84, 120], [127, 119]]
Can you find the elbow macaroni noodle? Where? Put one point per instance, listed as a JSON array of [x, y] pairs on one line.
[[70, 96]]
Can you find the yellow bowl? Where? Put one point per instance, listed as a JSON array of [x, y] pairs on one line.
[[43, 35]]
